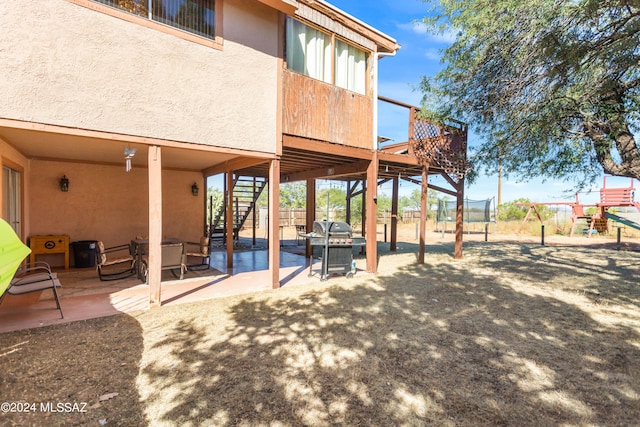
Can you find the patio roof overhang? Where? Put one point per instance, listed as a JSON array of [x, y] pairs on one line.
[[58, 143]]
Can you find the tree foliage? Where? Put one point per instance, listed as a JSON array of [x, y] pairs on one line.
[[552, 85], [293, 195], [517, 210]]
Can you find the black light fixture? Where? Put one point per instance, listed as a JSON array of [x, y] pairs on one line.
[[194, 189], [64, 184]]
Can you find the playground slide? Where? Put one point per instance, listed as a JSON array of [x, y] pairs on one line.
[[623, 220]]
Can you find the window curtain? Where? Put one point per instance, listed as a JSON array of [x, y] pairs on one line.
[[351, 67], [308, 51]]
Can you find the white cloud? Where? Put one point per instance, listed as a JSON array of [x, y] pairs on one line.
[[433, 54], [421, 28]]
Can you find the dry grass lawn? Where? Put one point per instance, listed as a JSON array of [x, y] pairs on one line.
[[513, 334]]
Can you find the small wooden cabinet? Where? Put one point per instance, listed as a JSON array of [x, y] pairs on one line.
[[51, 244]]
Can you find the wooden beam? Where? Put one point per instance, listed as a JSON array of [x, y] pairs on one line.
[[154, 270], [372, 209], [274, 223], [394, 214], [459, 219], [311, 212], [442, 190], [404, 159], [359, 166], [229, 218], [423, 214], [449, 180], [290, 141], [233, 165], [394, 102], [431, 186], [348, 206]]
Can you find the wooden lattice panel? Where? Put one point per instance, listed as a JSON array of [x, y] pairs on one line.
[[434, 146]]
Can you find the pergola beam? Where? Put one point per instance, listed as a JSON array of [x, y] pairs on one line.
[[337, 171], [233, 165]]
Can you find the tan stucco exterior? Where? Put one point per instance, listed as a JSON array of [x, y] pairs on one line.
[[65, 64], [106, 203]]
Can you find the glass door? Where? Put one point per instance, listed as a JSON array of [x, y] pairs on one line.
[[11, 182]]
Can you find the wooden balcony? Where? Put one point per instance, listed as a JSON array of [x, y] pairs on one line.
[[321, 111]]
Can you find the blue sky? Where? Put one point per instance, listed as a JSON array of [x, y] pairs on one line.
[[420, 56]]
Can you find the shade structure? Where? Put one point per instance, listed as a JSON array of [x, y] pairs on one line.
[[12, 253]]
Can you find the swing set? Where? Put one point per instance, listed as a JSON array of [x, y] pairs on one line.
[[609, 198]]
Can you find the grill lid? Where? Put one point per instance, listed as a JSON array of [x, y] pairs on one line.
[[336, 228]]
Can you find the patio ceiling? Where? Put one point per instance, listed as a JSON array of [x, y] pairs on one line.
[[36, 144]]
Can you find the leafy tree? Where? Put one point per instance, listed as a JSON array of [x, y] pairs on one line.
[[413, 200], [552, 85], [337, 198], [293, 195], [517, 210], [217, 198]]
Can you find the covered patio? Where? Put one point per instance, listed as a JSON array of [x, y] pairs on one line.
[[83, 296], [112, 198]]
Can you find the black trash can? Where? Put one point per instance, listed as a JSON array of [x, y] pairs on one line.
[[84, 253]]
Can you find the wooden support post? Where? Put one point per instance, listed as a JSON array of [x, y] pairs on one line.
[[619, 234], [371, 208], [363, 215], [154, 270], [394, 214], [423, 212], [229, 222], [348, 207], [253, 219], [274, 223], [311, 212], [459, 219]]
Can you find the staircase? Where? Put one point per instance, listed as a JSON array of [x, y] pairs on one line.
[[246, 191]]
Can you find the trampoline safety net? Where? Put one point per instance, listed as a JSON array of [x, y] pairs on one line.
[[474, 211]]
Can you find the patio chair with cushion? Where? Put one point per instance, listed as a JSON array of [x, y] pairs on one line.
[[199, 250], [116, 262], [174, 258], [15, 281], [35, 278]]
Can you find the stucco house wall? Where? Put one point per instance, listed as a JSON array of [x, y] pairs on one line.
[[105, 203], [65, 64]]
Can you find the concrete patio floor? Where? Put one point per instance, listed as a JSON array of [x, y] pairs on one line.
[[84, 296]]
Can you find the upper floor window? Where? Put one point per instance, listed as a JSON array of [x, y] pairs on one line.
[[193, 16], [309, 52], [350, 67]]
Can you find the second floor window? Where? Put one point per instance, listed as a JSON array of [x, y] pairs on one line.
[[351, 67], [193, 16], [309, 52]]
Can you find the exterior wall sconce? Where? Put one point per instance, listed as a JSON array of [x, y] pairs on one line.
[[194, 189], [64, 184]]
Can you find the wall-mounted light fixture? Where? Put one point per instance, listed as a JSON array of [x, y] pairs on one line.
[[64, 184], [194, 189]]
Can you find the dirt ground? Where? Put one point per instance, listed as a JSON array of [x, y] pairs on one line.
[[514, 333]]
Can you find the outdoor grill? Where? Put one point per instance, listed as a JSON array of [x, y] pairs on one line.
[[336, 240]]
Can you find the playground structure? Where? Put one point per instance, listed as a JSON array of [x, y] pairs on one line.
[[475, 211], [612, 197]]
